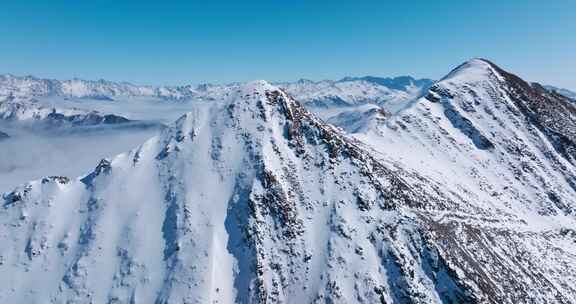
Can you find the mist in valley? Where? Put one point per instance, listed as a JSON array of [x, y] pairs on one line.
[[34, 151]]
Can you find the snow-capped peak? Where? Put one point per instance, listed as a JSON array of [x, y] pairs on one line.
[[473, 70]]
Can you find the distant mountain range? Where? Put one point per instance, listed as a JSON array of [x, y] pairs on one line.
[[565, 92], [392, 93], [18, 96], [464, 194], [30, 111], [348, 91], [29, 86], [353, 91]]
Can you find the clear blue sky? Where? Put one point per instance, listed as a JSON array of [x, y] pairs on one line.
[[179, 42]]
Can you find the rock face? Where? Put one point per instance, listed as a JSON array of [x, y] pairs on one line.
[[252, 199]]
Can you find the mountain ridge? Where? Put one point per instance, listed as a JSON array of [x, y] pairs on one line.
[[256, 195], [31, 113], [368, 89], [462, 197]]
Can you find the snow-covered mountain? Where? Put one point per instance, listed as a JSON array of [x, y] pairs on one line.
[[565, 92], [346, 92], [29, 86], [252, 199], [357, 119], [483, 119], [30, 111], [353, 91], [249, 199], [510, 147]]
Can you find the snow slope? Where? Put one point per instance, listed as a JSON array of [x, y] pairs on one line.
[[252, 199]]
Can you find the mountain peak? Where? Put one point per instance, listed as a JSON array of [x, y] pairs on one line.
[[257, 85], [472, 70]]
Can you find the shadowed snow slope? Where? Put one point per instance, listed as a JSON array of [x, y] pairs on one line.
[[252, 199]]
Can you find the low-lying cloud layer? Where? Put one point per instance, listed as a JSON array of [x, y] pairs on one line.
[[34, 152]]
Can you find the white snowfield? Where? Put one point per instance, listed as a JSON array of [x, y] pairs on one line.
[[466, 195]]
